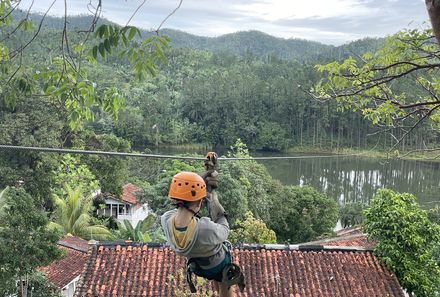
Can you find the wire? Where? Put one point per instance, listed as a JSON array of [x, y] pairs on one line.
[[155, 156]]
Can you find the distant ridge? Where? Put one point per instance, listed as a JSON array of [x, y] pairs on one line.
[[241, 43]]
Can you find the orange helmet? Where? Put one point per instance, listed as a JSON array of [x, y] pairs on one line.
[[187, 186]]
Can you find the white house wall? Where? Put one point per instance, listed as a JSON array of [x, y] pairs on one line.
[[138, 215]]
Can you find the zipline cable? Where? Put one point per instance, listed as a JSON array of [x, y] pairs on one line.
[[154, 156]]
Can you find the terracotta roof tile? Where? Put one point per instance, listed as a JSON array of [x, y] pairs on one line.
[[129, 193], [360, 241], [63, 271], [141, 270], [74, 242]]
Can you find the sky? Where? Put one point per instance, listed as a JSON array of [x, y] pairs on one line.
[[326, 21]]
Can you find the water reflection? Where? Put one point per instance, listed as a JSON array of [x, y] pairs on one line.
[[355, 179]]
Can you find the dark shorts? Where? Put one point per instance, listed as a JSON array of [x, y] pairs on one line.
[[215, 273]]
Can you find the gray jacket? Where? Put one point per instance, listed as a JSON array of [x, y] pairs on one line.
[[207, 241]]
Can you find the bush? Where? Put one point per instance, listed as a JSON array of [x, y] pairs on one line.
[[406, 240], [300, 214]]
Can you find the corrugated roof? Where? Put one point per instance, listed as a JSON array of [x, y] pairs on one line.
[[142, 270]]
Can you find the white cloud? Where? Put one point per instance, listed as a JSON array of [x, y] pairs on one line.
[[272, 10], [328, 21]]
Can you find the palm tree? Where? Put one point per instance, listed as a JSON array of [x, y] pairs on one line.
[[72, 216]]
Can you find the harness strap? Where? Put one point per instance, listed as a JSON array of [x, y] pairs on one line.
[[181, 204], [189, 272], [231, 274]]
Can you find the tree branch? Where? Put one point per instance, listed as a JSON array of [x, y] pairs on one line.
[[15, 52], [19, 24], [173, 12], [9, 12], [415, 125], [135, 12]]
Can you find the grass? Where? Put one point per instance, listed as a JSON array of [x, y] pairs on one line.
[[429, 155]]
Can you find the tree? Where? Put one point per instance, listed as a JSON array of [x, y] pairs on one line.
[[351, 214], [64, 77], [110, 171], [396, 87], [433, 7], [406, 241], [252, 230], [70, 173], [25, 242], [300, 214], [72, 216]]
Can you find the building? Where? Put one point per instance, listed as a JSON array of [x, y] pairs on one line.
[[134, 269], [353, 237], [126, 207], [65, 273]]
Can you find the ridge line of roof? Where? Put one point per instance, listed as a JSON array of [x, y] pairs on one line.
[[73, 247], [286, 247]]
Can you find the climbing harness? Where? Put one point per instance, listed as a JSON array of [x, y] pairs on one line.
[[231, 274]]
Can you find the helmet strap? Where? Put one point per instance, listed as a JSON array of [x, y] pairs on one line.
[[182, 204]]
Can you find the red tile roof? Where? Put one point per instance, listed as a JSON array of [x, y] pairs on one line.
[[74, 242], [142, 270], [360, 241], [63, 271], [346, 238], [129, 193]]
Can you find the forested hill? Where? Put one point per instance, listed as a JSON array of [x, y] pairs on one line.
[[251, 42], [243, 43]]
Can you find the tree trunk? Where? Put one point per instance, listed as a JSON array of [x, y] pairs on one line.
[[433, 7]]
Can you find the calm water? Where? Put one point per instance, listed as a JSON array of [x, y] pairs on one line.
[[349, 179]]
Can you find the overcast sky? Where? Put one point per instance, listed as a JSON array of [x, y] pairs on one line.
[[326, 21]]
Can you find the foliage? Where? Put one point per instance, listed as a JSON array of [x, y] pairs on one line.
[[38, 286], [178, 285], [34, 121], [251, 96], [71, 173], [156, 194], [64, 77], [25, 242], [395, 86], [140, 232], [351, 214], [405, 240], [251, 230], [300, 214], [72, 216], [111, 171]]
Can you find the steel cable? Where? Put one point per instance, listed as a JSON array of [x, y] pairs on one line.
[[154, 156]]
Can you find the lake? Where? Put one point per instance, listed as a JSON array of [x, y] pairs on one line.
[[356, 179], [353, 178]]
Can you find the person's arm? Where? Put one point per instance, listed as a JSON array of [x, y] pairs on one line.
[[215, 209], [214, 232]]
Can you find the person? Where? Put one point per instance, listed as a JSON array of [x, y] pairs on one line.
[[199, 239]]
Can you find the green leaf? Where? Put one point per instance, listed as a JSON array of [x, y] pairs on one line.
[[102, 50], [107, 46], [95, 52], [101, 31], [132, 33]]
